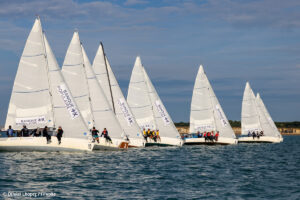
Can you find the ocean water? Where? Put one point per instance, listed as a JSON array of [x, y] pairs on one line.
[[244, 171]]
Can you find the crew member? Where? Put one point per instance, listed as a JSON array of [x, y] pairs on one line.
[[46, 134], [95, 135], [10, 131], [59, 134], [24, 131], [105, 134]]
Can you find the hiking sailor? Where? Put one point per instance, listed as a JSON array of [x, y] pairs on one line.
[[105, 134]]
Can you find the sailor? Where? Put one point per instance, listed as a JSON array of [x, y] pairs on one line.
[[95, 135], [261, 133], [46, 134], [59, 134], [253, 135], [217, 136], [199, 134], [205, 135], [157, 135], [10, 132], [145, 134], [208, 136], [212, 136], [149, 134], [257, 135], [37, 132], [105, 134], [24, 131], [249, 134]]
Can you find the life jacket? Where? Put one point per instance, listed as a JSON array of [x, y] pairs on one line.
[[208, 134], [157, 133], [144, 132], [148, 132], [205, 134]]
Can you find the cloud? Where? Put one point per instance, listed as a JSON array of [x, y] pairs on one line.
[[134, 2]]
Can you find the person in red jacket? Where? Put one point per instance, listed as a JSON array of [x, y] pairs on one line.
[[217, 136]]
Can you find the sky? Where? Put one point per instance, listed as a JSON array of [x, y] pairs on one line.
[[235, 40]]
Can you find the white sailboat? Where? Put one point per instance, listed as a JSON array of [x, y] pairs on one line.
[[90, 97], [41, 98], [116, 98], [148, 109], [255, 120], [207, 115]]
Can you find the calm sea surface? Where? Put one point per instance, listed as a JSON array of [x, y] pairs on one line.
[[244, 171]]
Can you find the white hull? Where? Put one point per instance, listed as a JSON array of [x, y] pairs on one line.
[[262, 139], [164, 141], [221, 140], [136, 142], [106, 145], [40, 144]]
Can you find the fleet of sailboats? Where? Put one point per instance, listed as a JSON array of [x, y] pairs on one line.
[[80, 96]]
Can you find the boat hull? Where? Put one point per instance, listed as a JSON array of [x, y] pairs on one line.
[[15, 144], [201, 141], [262, 139], [117, 144], [164, 141]]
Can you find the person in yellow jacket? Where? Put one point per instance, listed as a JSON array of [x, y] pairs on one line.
[[157, 134], [145, 134]]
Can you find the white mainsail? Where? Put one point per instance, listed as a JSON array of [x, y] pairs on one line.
[[206, 111], [271, 127], [250, 114], [30, 102], [114, 93], [138, 97], [75, 76], [102, 112], [65, 110], [146, 104]]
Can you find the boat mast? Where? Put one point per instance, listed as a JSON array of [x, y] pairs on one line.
[[47, 66], [111, 94]]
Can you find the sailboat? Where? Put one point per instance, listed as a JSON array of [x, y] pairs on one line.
[[90, 97], [207, 115], [255, 120], [40, 97], [116, 99], [148, 109]]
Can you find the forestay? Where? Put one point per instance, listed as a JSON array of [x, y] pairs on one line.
[[250, 116], [30, 102], [138, 98], [114, 93]]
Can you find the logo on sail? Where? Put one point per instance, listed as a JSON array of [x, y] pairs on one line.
[[221, 115], [125, 110], [67, 98], [162, 112], [31, 120]]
